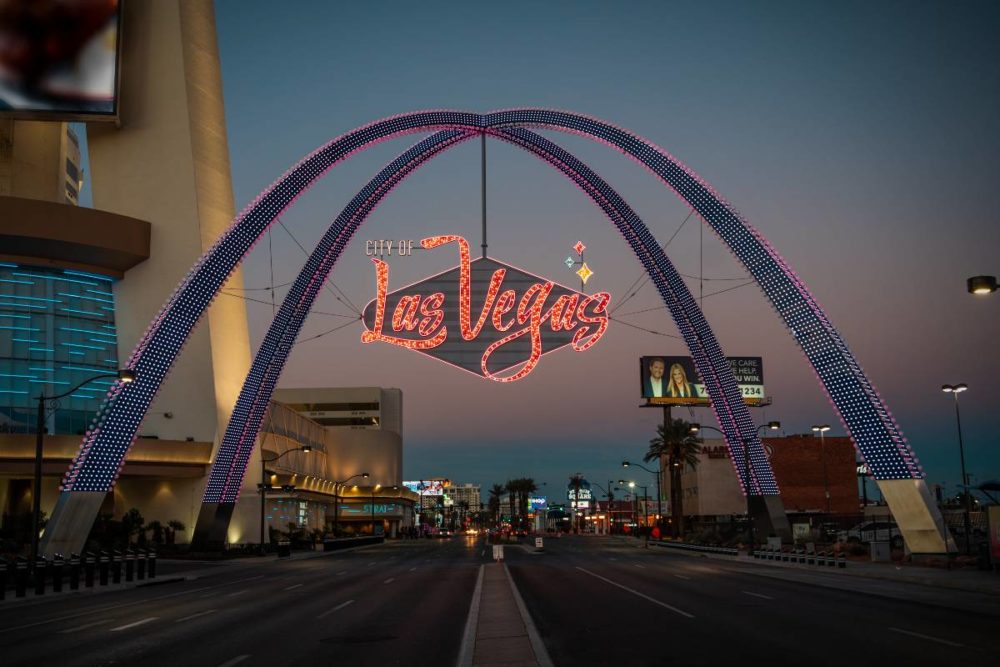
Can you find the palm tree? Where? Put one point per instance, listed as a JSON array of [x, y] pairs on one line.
[[576, 483], [496, 492], [527, 487], [675, 441]]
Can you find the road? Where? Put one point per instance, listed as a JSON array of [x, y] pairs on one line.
[[594, 601]]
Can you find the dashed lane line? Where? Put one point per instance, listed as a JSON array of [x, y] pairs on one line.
[[681, 576], [235, 661], [232, 595], [337, 608], [389, 580], [293, 587], [198, 615], [134, 625], [635, 592], [758, 595], [85, 626], [928, 637]]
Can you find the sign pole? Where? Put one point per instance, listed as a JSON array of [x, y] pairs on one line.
[[482, 145]]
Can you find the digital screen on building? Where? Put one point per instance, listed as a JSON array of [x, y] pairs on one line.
[[583, 494], [668, 380], [427, 487], [59, 59], [536, 503]]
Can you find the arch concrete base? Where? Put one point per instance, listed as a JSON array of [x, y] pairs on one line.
[[769, 518], [73, 517], [917, 516], [212, 528]]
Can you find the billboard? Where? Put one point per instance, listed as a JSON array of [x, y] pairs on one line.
[[667, 380], [536, 503], [60, 60], [427, 487]]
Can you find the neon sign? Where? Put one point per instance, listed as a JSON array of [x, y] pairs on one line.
[[519, 317]]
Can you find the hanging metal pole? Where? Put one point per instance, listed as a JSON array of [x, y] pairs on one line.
[[482, 145]]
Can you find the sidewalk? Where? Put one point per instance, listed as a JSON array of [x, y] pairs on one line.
[[966, 579]]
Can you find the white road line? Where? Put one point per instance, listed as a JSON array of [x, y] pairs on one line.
[[537, 645], [232, 595], [235, 661], [467, 650], [613, 559], [372, 563], [635, 592], [200, 613], [98, 610], [640, 566], [85, 626], [290, 588], [133, 625], [337, 608], [758, 595], [389, 580], [342, 573], [927, 637], [681, 576], [412, 569]]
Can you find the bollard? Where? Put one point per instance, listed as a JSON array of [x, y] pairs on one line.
[[57, 573], [105, 563], [152, 563], [810, 558], [786, 556], [842, 561], [832, 560], [74, 572], [116, 567], [89, 565], [140, 564], [3, 578], [40, 567], [129, 565], [21, 577], [802, 556]]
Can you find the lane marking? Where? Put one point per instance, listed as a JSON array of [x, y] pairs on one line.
[[232, 595], [97, 610], [133, 625], [468, 648], [291, 588], [613, 559], [681, 576], [537, 645], [640, 566], [337, 608], [235, 661], [758, 595], [200, 613], [371, 563], [389, 580], [928, 637], [342, 573], [412, 569], [635, 592], [85, 626]]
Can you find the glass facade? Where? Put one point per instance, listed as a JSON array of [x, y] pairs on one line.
[[57, 328]]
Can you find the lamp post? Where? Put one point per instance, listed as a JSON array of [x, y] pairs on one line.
[[374, 489], [822, 429], [610, 496], [336, 500], [955, 390], [981, 285], [659, 506], [771, 426], [264, 486], [125, 376]]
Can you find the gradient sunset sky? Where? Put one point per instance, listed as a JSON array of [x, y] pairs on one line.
[[862, 139]]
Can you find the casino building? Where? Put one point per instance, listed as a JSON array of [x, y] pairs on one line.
[[79, 286]]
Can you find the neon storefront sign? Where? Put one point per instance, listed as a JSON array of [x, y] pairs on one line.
[[518, 316]]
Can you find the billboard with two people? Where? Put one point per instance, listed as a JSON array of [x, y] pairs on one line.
[[668, 380]]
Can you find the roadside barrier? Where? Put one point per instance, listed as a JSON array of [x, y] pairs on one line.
[[152, 563], [57, 573], [140, 567], [20, 577], [40, 567], [3, 578], [74, 572], [129, 565]]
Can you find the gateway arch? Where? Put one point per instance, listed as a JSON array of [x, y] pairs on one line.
[[860, 408]]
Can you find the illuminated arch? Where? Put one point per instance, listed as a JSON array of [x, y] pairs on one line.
[[229, 467], [859, 406]]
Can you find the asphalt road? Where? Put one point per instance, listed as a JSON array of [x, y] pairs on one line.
[[594, 601], [605, 602]]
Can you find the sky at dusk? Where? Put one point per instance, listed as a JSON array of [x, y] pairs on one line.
[[860, 138]]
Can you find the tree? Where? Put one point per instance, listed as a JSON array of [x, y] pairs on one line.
[[132, 524], [156, 528], [175, 526], [679, 445], [576, 482], [496, 492], [526, 487]]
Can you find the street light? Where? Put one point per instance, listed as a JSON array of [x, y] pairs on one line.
[[955, 390], [336, 500], [374, 489], [982, 284], [125, 376], [659, 506], [611, 497], [821, 429], [264, 486]]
